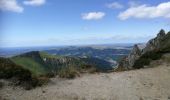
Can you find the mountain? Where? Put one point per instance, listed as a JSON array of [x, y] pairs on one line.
[[13, 51], [34, 68], [143, 54], [109, 54], [42, 63]]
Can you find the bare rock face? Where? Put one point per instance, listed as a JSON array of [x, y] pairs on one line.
[[129, 61], [133, 56], [155, 44], [140, 49]]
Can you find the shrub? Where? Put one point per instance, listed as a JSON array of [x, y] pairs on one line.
[[146, 58], [152, 55], [68, 72], [140, 63], [22, 76]]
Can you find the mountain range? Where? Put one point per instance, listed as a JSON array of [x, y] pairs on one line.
[[70, 62]]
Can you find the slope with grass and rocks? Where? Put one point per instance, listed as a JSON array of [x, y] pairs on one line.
[[34, 68], [143, 54], [44, 64], [18, 75], [151, 83]]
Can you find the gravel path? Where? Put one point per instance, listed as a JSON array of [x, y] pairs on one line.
[[143, 84]]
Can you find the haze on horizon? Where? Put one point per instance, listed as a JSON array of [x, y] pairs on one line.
[[82, 22]]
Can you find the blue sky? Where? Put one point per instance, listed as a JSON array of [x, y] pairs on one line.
[[68, 22]]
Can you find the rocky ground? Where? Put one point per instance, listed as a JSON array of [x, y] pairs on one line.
[[143, 84]]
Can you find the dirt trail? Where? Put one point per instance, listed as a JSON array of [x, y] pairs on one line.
[[143, 84]]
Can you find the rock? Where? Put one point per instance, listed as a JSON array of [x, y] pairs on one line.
[[155, 44], [133, 56], [138, 50], [129, 61]]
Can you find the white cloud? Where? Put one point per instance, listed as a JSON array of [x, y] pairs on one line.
[[93, 15], [34, 2], [145, 11], [114, 5], [10, 5]]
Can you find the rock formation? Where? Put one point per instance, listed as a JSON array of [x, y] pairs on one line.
[[154, 45]]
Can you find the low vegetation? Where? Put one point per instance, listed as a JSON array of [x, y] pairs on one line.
[[20, 76], [34, 67], [68, 72], [146, 58]]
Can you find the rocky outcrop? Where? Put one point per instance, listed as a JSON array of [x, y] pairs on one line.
[[129, 60], [134, 55], [154, 45]]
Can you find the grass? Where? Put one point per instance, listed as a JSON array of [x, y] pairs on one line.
[[64, 67], [20, 75], [146, 58], [68, 72], [36, 68]]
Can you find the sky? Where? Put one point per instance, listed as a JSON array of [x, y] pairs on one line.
[[81, 22]]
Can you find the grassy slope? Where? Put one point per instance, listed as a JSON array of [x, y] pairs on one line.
[[35, 67], [21, 75], [61, 65], [38, 67]]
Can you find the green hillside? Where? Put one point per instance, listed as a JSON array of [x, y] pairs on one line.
[[33, 62], [21, 76], [44, 64], [36, 68]]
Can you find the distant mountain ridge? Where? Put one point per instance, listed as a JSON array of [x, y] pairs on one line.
[[111, 55], [13, 51], [40, 63]]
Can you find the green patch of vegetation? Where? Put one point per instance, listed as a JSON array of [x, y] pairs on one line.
[[22, 76], [8, 69], [36, 68], [140, 63], [72, 71], [152, 55], [42, 64], [146, 58], [68, 72]]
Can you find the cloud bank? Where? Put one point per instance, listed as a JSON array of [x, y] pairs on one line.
[[10, 5], [13, 6], [93, 15], [145, 11]]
